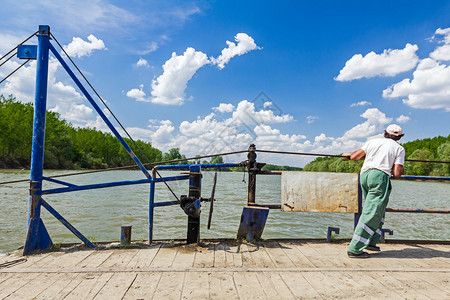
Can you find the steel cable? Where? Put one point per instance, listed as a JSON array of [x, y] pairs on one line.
[[101, 99], [19, 45], [8, 59], [14, 71]]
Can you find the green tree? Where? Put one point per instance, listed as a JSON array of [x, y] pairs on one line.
[[420, 168]]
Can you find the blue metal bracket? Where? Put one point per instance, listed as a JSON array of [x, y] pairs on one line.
[[27, 51], [383, 231], [330, 230], [58, 181]]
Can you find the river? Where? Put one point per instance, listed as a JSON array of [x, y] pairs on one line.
[[99, 214]]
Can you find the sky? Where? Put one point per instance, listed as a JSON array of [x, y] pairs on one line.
[[209, 77]]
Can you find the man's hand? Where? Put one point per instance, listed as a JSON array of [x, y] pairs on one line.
[[346, 156]]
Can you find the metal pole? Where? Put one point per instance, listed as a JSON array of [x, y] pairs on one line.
[[37, 235], [358, 214], [252, 170], [151, 207], [195, 188]]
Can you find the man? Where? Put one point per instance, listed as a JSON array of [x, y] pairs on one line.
[[383, 157]]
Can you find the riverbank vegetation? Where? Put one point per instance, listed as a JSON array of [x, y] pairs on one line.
[[437, 149]]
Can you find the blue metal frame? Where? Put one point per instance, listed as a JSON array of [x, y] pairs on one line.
[[37, 235]]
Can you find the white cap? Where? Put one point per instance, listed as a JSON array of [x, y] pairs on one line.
[[394, 129]]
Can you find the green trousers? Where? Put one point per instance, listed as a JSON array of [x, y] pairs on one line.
[[376, 187]]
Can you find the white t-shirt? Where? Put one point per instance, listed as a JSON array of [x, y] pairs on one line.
[[382, 154]]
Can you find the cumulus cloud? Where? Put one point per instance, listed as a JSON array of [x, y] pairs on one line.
[[389, 63], [442, 53], [78, 47], [246, 113], [168, 88], [360, 103], [142, 63], [402, 119], [376, 121], [224, 108], [245, 43], [429, 88]]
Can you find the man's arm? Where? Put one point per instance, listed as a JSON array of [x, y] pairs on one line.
[[358, 155], [397, 171]]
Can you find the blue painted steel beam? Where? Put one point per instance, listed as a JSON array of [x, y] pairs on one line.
[[110, 184], [167, 203], [37, 235], [58, 181], [66, 223], [99, 111], [430, 178], [175, 167], [151, 206], [419, 210]]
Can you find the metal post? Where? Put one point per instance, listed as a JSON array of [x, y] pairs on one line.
[[151, 207], [358, 214], [37, 235], [195, 188], [252, 170]]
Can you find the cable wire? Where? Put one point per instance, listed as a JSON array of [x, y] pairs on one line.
[[15, 70], [8, 59], [101, 99], [19, 45]]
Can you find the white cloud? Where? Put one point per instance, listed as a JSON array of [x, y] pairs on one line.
[[148, 48], [311, 119], [376, 121], [224, 108], [169, 87], [442, 53], [142, 63], [78, 47], [429, 88], [244, 44], [402, 119], [138, 94], [246, 113], [360, 103], [389, 63]]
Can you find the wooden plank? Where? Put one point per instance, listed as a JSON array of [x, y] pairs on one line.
[[233, 256], [14, 283], [95, 259], [184, 258], [33, 287], [321, 284], [62, 280], [404, 290], [299, 286], [297, 257], [274, 286], [279, 258], [440, 280], [429, 290], [220, 255], [204, 257], [260, 256], [31, 262], [313, 256], [165, 257], [88, 286], [196, 286], [248, 286], [170, 286], [117, 286], [144, 286], [221, 286], [368, 287], [69, 287], [4, 277], [67, 260], [247, 260], [145, 257], [120, 258]]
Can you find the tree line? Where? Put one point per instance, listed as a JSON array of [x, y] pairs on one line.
[[66, 147], [437, 148]]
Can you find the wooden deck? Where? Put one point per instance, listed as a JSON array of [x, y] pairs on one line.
[[226, 269]]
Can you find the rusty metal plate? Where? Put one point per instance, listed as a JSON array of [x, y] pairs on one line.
[[319, 192]]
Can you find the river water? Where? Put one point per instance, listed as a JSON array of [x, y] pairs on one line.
[[99, 214]]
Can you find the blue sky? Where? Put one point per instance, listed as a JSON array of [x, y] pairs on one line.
[[210, 77]]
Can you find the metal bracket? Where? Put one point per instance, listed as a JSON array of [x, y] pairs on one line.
[[383, 231], [27, 51], [330, 230]]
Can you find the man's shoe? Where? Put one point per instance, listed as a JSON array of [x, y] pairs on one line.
[[360, 255], [373, 248]]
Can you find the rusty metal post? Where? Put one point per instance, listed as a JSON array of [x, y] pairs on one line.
[[358, 214], [252, 170], [125, 235], [195, 190]]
